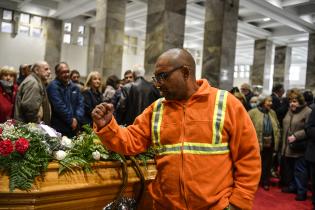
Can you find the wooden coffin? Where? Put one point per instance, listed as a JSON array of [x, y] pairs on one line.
[[77, 190]]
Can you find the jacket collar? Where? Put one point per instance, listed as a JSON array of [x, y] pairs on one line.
[[204, 89]]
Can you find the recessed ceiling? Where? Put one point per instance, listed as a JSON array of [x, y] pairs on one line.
[[285, 22]]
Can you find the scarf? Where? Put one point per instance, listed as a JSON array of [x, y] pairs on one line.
[[7, 86], [267, 129]]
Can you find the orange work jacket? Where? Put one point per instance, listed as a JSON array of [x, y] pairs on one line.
[[207, 150]]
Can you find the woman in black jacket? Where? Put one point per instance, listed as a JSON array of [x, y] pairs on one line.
[[92, 95]]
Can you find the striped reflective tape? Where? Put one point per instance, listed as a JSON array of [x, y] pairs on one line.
[[216, 147], [218, 116], [193, 148], [157, 116]]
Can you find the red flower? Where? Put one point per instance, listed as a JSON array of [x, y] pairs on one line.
[[1, 131], [6, 147], [21, 145]]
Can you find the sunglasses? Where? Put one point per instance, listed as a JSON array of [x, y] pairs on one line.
[[164, 75]]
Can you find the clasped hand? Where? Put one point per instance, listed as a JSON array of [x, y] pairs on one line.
[[102, 114], [291, 138]]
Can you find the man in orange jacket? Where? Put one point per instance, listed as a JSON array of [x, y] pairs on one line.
[[207, 149]]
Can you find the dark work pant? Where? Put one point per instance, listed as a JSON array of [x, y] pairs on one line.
[[286, 171], [266, 163], [301, 175], [298, 167]]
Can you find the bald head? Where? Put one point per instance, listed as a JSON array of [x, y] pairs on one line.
[[42, 69], [37, 65], [177, 57]]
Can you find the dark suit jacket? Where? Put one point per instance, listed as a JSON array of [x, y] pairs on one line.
[[280, 107], [135, 97]]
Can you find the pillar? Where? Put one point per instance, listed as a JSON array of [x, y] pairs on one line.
[[109, 36], [90, 54], [165, 29], [220, 42], [282, 65], [53, 35], [310, 68], [260, 74]]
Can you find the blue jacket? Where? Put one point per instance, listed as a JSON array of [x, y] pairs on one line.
[[66, 103]]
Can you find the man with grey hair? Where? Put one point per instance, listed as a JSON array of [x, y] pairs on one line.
[[32, 104], [135, 97]]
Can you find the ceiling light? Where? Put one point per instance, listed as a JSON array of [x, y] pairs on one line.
[[266, 19]]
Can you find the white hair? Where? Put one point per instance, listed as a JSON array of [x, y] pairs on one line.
[[263, 97], [138, 71]]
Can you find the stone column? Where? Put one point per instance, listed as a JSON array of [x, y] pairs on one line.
[[310, 69], [262, 64], [165, 29], [282, 65], [220, 42], [90, 54], [109, 36], [53, 33]]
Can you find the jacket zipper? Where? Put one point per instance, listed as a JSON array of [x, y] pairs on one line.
[[182, 157]]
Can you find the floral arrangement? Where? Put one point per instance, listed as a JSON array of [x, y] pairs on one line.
[[27, 149], [24, 152], [84, 150]]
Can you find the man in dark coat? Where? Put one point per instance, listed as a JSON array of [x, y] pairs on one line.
[[135, 97], [310, 148], [278, 104]]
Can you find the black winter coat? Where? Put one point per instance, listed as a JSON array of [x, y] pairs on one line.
[[135, 97], [310, 132], [91, 99], [280, 107]]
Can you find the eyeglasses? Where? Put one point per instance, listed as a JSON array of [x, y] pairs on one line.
[[164, 75]]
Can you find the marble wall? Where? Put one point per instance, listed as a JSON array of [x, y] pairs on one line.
[[109, 36], [220, 42], [310, 69], [91, 49], [263, 55], [53, 34], [165, 29], [282, 65]]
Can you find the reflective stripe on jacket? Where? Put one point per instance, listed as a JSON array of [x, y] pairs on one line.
[[216, 147]]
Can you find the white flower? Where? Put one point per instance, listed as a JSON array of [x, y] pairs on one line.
[[60, 155], [96, 155], [65, 141], [8, 127]]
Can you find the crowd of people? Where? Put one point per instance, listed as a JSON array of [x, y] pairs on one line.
[[284, 129], [245, 141], [65, 102]]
